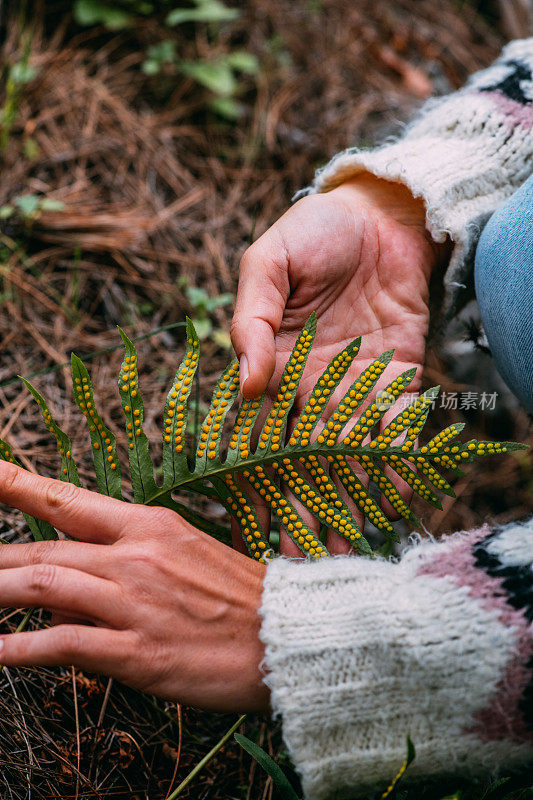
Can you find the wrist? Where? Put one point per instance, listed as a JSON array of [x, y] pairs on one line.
[[246, 678], [395, 201]]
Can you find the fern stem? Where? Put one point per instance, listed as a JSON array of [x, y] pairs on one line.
[[206, 759], [262, 459]]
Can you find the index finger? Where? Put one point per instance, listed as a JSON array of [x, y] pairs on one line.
[[82, 514]]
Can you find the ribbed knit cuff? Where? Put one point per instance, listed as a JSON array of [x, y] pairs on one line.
[[464, 155], [362, 652]]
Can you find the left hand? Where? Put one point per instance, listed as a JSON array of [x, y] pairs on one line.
[[152, 601]]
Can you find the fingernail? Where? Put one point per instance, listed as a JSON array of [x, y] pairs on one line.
[[244, 372], [1, 645]]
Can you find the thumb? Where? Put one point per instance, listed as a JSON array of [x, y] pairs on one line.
[[261, 298]]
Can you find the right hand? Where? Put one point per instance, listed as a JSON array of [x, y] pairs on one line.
[[361, 258]]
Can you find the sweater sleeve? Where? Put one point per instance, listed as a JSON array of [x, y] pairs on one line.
[[362, 652], [464, 155]]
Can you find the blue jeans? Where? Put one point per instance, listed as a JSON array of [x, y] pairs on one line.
[[504, 289]]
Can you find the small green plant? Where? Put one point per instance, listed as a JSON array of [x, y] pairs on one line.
[[307, 468], [16, 76], [29, 207], [220, 76], [121, 14], [204, 307]]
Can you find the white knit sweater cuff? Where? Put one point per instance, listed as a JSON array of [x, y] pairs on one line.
[[464, 155], [362, 652]]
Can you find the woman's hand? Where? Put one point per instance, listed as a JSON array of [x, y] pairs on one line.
[[361, 258], [171, 610]]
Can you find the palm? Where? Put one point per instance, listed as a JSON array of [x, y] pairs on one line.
[[365, 277]]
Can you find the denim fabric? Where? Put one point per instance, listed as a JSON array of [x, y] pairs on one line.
[[504, 288]]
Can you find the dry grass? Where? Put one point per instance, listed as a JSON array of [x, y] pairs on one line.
[[155, 189]]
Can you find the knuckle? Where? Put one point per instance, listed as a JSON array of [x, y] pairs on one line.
[[10, 476], [237, 325], [68, 642], [39, 552], [161, 518], [145, 556], [59, 494], [42, 578]]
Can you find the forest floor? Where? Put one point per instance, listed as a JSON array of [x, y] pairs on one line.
[[158, 194]]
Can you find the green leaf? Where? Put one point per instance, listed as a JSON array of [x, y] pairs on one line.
[[206, 11], [151, 67], [39, 528], [272, 433], [69, 471], [163, 52], [6, 212], [313, 472], [226, 390], [27, 204], [23, 73], [203, 327], [176, 411], [226, 107], [238, 505], [217, 76], [243, 62], [141, 467], [269, 765], [92, 12], [104, 446], [48, 204], [411, 754]]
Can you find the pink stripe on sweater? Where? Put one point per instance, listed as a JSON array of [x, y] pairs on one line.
[[502, 719], [515, 114]]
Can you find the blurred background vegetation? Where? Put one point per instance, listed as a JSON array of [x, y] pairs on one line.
[[142, 146]]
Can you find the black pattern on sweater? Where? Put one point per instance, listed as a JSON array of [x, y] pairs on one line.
[[518, 584]]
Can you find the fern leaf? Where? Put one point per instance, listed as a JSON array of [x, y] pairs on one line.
[[39, 528], [69, 471], [271, 436], [412, 419], [289, 517], [322, 391], [176, 411], [306, 470], [353, 399], [376, 411], [141, 467], [239, 444], [386, 487], [412, 479], [335, 445], [469, 451], [426, 468], [362, 498], [242, 509], [104, 446], [338, 518], [226, 391]]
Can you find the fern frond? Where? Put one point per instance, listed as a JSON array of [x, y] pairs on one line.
[[176, 411], [224, 395], [69, 471], [309, 467], [39, 528], [141, 466], [106, 463]]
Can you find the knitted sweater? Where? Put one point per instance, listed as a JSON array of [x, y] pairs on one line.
[[361, 652], [439, 646], [464, 155]]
